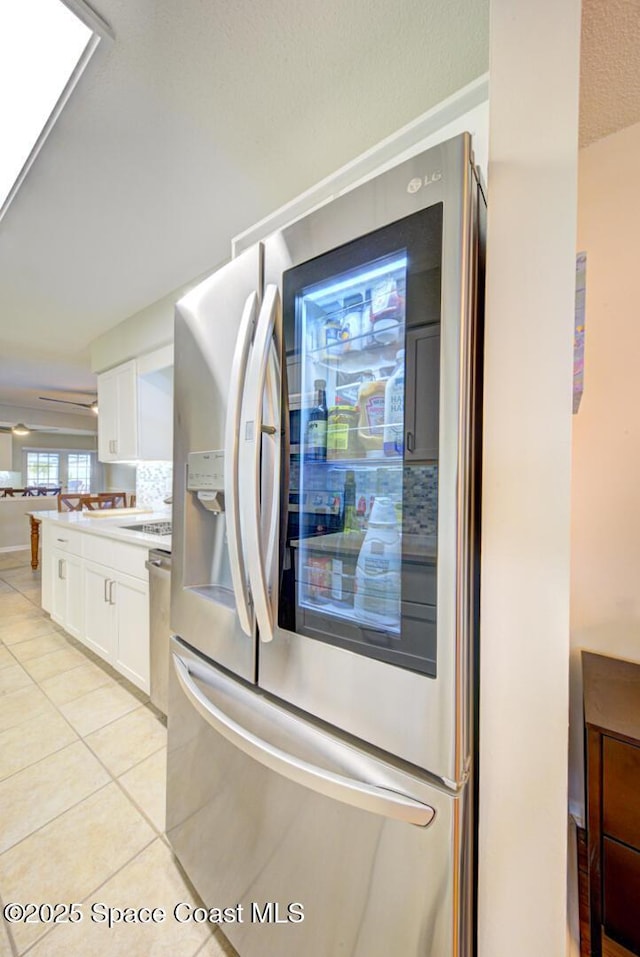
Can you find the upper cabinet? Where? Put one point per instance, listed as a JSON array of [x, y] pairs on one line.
[[135, 400]]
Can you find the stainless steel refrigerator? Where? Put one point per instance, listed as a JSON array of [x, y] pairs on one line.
[[322, 765]]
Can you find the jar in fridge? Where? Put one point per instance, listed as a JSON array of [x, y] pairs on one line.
[[331, 329], [351, 332], [342, 432], [318, 570]]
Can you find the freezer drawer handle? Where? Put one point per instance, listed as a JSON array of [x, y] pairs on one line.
[[367, 797], [239, 573]]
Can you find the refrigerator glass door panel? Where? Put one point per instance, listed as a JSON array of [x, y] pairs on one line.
[[368, 884], [205, 591], [402, 682], [366, 520]]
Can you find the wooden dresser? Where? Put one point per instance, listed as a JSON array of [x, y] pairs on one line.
[[612, 741]]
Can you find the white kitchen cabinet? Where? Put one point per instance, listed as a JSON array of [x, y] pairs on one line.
[[47, 566], [118, 413], [131, 603], [67, 605], [97, 589], [117, 627], [135, 403], [62, 575], [99, 632]]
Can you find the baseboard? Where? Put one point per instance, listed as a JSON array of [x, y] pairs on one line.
[[15, 548]]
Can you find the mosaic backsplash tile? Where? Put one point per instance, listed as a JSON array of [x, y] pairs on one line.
[[153, 483], [420, 500]]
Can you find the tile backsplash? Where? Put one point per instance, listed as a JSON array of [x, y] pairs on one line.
[[153, 483], [420, 500]]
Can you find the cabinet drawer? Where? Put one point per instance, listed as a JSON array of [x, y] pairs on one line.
[[120, 556], [66, 539], [621, 894], [621, 786]]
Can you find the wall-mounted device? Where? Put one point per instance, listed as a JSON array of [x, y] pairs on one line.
[[205, 477]]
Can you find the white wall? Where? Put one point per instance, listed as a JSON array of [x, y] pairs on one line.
[[534, 70], [143, 332], [605, 533]]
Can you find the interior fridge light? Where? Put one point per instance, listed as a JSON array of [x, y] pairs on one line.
[[356, 278]]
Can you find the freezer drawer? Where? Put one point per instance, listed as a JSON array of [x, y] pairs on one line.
[[264, 808]]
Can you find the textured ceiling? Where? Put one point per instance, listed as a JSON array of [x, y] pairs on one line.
[[609, 68], [202, 117]]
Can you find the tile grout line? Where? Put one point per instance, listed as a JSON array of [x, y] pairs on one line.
[[113, 778], [83, 737], [7, 927], [85, 899], [57, 817]]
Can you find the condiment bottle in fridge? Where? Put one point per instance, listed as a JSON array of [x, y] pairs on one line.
[[377, 598], [349, 517], [316, 436], [351, 332], [344, 564], [393, 442], [371, 421]]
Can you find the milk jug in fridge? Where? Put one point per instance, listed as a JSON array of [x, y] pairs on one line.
[[393, 441], [377, 598]]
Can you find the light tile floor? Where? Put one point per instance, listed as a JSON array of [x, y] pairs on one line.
[[82, 790]]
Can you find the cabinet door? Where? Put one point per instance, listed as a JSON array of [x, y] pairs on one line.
[[99, 631], [107, 421], [58, 572], [74, 619], [47, 566], [127, 414], [132, 614]]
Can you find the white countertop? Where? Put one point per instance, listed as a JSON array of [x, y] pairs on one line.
[[112, 526]]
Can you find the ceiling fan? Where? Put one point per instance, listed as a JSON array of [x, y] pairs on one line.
[[83, 405], [21, 429]]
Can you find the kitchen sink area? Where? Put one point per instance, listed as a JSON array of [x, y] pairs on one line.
[[150, 528]]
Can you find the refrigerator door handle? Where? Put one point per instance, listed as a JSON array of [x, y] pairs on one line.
[[368, 797], [262, 384], [231, 464]]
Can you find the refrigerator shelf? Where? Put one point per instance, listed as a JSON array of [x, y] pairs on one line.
[[334, 609], [370, 461], [364, 358], [419, 548]]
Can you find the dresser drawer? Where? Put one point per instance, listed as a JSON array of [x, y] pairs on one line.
[[621, 894], [621, 787]]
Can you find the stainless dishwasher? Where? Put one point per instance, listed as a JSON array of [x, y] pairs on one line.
[[159, 565]]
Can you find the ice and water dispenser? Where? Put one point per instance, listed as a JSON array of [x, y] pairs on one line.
[[206, 560]]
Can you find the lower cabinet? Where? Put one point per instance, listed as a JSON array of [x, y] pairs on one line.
[[67, 607], [117, 623], [97, 589]]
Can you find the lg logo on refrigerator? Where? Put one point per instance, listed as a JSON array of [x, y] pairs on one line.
[[417, 183]]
